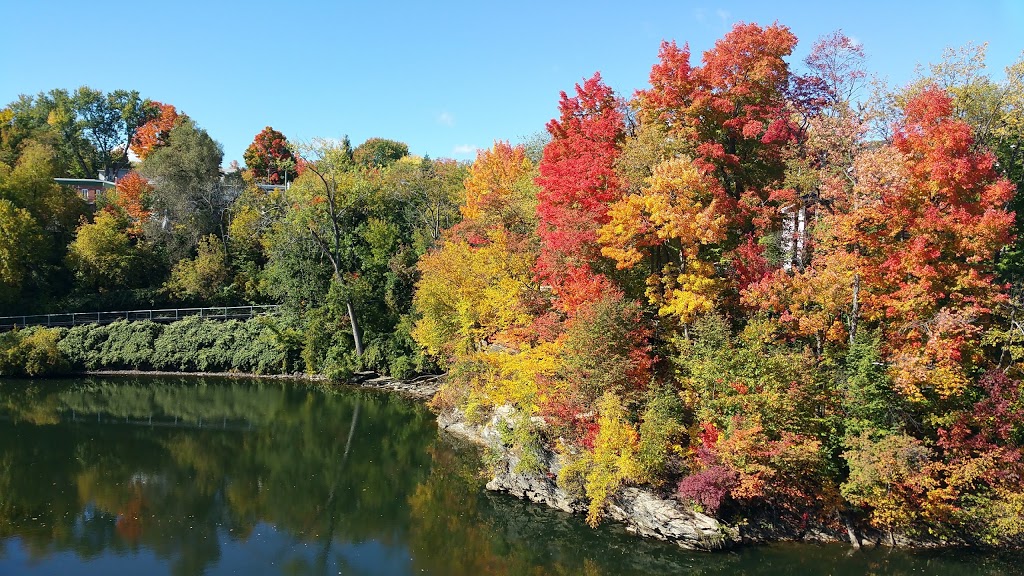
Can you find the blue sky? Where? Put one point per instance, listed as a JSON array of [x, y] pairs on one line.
[[444, 77]]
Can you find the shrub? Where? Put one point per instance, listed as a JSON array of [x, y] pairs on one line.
[[129, 345], [709, 487], [32, 352]]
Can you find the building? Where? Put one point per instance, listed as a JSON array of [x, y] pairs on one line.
[[89, 189]]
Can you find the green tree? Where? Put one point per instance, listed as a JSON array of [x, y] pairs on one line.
[[379, 152], [89, 129], [103, 255], [21, 241], [188, 201], [202, 278]]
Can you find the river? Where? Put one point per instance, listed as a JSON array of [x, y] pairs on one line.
[[189, 476]]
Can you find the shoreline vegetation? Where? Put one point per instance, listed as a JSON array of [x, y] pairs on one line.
[[766, 292]]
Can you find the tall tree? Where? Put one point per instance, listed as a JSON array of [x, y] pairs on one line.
[[188, 201], [379, 152], [578, 183], [329, 214]]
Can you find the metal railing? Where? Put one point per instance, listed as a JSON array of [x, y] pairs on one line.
[[165, 315]]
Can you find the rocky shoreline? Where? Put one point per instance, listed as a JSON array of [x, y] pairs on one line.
[[647, 513], [642, 511]]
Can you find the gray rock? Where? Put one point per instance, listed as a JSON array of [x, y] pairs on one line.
[[642, 511]]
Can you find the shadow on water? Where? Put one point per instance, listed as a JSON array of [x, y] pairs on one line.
[[214, 476]]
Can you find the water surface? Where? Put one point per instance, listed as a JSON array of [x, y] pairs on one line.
[[189, 476]]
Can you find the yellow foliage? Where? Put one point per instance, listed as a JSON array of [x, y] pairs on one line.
[[468, 294], [686, 295], [611, 462], [500, 186], [500, 377], [678, 211]]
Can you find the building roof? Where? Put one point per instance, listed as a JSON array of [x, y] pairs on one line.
[[85, 182]]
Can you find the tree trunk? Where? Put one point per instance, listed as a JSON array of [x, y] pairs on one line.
[[801, 237], [355, 327], [855, 308], [854, 541]]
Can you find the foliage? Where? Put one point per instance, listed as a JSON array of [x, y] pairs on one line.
[[188, 202], [20, 242], [270, 159], [89, 130], [379, 152], [155, 132], [203, 278], [32, 352], [577, 183], [104, 255], [133, 198]]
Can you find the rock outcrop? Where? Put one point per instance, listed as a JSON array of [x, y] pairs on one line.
[[642, 511]]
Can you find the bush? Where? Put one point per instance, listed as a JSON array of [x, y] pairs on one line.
[[83, 346], [32, 352], [179, 346], [129, 345]]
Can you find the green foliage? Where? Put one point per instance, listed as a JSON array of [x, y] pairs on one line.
[[129, 345], [203, 278], [187, 199], [256, 346], [379, 152], [32, 352], [661, 436], [870, 404], [523, 439], [889, 476], [104, 256]]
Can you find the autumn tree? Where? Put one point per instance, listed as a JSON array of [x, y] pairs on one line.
[[674, 226], [270, 158], [935, 232], [731, 109], [578, 183], [133, 199], [477, 285], [331, 196], [103, 255], [499, 193], [156, 131]]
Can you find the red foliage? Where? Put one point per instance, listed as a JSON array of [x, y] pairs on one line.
[[750, 264], [578, 183], [270, 158], [709, 486], [987, 430]]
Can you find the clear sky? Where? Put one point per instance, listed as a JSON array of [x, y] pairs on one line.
[[444, 77]]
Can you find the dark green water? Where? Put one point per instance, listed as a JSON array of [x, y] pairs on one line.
[[209, 476]]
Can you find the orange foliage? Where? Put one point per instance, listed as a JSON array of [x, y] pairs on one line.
[[153, 133]]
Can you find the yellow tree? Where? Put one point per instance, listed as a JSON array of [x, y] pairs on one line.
[[674, 223]]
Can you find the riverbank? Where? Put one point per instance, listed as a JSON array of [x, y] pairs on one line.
[[643, 511], [653, 514]]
